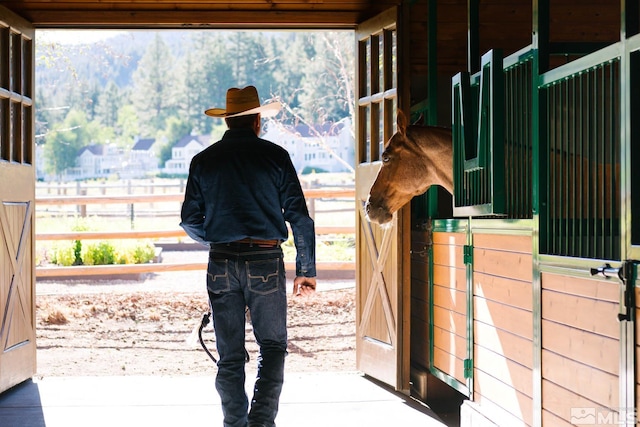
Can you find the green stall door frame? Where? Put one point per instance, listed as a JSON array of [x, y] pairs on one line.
[[478, 139]]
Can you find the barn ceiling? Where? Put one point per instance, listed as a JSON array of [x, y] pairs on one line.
[[197, 13]]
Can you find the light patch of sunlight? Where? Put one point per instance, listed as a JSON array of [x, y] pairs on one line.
[[499, 370]]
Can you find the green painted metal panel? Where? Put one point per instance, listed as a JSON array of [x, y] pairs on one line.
[[581, 216]]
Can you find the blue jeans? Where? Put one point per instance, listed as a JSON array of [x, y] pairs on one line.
[[241, 276]]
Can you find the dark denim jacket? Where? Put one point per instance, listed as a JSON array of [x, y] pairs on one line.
[[244, 186]]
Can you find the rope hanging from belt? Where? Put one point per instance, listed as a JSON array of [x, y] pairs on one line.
[[206, 318]]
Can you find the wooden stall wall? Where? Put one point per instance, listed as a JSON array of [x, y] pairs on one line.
[[449, 302], [580, 347], [420, 244], [503, 327]]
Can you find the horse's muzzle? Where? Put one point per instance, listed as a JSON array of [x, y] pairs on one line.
[[377, 212]]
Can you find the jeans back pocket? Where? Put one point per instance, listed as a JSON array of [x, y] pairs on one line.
[[263, 275], [218, 276]]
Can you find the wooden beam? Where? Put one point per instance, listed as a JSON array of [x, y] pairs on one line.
[[347, 193], [155, 234], [108, 270], [190, 19]]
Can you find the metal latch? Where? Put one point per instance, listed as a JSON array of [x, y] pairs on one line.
[[468, 254], [626, 273]]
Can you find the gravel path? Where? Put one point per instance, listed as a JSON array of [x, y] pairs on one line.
[[145, 327]]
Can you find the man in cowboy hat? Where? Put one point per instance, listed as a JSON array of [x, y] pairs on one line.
[[239, 194]]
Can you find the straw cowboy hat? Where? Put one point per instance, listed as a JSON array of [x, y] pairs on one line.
[[242, 102]]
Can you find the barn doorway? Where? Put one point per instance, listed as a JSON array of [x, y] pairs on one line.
[[132, 324]]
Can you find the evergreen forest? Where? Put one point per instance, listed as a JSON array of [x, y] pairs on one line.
[[144, 84]]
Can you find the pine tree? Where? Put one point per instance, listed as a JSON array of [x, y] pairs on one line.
[[154, 91], [109, 102]]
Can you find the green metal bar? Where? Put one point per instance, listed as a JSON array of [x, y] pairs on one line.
[[611, 181], [594, 170], [582, 64], [633, 148], [553, 185], [613, 189], [574, 245], [564, 173], [580, 172], [601, 165], [470, 311], [539, 187]]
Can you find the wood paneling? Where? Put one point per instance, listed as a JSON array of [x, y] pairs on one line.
[[580, 344], [449, 302], [505, 370], [503, 263], [419, 342], [594, 289], [213, 14], [506, 400], [453, 366], [503, 324], [559, 401], [503, 290], [503, 242], [504, 317], [450, 277], [450, 299], [17, 201], [594, 20], [450, 321], [599, 317], [513, 347], [420, 300], [451, 343], [582, 379]]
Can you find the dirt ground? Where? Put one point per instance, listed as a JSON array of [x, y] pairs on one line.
[[147, 327]]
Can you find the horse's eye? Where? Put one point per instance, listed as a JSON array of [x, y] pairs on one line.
[[385, 158]]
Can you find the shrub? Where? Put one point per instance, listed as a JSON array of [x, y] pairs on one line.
[[63, 254], [135, 253], [101, 253]]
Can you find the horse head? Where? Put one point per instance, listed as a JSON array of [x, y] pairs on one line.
[[414, 159]]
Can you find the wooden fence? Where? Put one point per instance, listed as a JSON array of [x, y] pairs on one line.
[[131, 199]]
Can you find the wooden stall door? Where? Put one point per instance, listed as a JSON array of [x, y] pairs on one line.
[[382, 294], [17, 194]]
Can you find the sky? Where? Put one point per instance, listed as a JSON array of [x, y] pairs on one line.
[[75, 36]]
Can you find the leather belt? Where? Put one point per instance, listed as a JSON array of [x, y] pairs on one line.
[[259, 242]]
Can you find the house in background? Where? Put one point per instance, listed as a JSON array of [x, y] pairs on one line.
[[97, 161], [183, 152], [143, 158], [324, 148]]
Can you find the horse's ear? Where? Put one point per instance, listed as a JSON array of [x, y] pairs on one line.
[[402, 122]]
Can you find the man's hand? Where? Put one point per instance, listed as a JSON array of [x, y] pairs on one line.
[[304, 286]]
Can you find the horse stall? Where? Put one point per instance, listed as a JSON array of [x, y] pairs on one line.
[[514, 293], [523, 280]]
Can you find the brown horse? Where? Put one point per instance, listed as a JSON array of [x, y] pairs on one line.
[[414, 159]]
